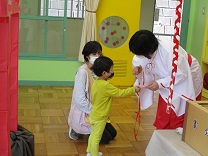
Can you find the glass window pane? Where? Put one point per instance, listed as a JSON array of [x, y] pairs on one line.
[[30, 7], [55, 37], [56, 8], [42, 8], [73, 37], [75, 8], [31, 37]]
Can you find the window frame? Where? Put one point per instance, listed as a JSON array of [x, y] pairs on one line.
[[46, 18]]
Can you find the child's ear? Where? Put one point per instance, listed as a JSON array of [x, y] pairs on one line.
[[103, 73]]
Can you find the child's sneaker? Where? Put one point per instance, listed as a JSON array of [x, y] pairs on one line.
[[99, 153], [72, 134]]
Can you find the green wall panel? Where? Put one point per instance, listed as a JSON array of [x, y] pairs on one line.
[[196, 28], [45, 70]]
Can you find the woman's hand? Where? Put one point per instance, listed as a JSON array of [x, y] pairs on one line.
[[153, 86], [136, 70]]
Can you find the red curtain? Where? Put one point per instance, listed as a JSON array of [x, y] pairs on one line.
[[9, 28]]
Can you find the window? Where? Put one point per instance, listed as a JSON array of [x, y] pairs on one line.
[[164, 18], [156, 15], [50, 29], [56, 8]]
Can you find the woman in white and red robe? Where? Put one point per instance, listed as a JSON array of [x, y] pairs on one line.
[[153, 66]]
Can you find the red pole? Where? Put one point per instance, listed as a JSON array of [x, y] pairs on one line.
[[4, 88], [13, 12], [9, 27]]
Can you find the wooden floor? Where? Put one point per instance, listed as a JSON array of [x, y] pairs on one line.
[[43, 110]]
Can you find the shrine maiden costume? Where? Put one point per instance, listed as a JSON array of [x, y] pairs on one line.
[[188, 83]]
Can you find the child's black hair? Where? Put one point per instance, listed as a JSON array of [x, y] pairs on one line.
[[144, 43], [91, 47], [102, 64]]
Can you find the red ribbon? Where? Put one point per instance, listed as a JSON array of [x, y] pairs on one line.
[[138, 118]]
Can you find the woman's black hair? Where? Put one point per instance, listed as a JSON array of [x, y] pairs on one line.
[[144, 43], [102, 64], [91, 47]]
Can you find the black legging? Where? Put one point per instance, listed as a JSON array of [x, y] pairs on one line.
[[109, 133]]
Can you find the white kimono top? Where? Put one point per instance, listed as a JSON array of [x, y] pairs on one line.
[[188, 79]]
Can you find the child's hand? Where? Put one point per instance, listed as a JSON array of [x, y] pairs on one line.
[[137, 70], [137, 89]]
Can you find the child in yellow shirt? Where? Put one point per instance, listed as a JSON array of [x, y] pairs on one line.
[[102, 94]]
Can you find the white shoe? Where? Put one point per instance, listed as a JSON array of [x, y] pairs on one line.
[[72, 134], [99, 153]]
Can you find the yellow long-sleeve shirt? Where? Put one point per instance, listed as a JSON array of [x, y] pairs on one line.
[[102, 94]]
